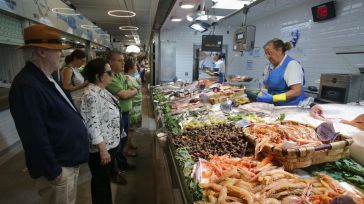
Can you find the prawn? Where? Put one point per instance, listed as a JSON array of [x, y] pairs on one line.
[[241, 193], [222, 196]]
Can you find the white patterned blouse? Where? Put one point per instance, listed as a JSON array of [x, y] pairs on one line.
[[101, 113]]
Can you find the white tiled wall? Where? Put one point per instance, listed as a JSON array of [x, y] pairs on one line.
[[185, 38], [315, 48], [11, 62]]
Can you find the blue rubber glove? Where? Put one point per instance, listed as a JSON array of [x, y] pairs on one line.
[[266, 98]]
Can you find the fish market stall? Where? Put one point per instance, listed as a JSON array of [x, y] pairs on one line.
[[224, 149]]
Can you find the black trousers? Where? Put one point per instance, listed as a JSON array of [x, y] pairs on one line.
[[100, 181], [122, 162]]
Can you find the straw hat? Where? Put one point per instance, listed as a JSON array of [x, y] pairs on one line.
[[43, 36]]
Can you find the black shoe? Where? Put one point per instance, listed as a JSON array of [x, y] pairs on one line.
[[119, 179]]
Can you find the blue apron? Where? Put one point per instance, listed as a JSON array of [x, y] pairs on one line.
[[221, 77], [276, 84]]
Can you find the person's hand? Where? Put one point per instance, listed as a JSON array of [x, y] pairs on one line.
[[105, 157], [316, 112], [266, 97], [134, 91]]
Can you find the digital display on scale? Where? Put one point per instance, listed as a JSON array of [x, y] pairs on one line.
[[323, 11], [239, 36]]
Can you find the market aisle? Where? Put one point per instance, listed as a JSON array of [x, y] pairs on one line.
[[141, 182], [17, 186]]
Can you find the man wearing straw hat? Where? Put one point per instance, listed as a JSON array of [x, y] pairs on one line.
[[52, 132]]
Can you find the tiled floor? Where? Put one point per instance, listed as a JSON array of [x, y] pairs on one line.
[[17, 187]]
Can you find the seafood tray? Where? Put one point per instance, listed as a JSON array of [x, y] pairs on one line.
[[303, 155]]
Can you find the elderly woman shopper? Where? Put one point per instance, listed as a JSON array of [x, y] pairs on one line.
[[100, 110]]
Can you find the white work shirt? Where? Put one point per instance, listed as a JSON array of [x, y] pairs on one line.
[[61, 91], [220, 64], [293, 74]]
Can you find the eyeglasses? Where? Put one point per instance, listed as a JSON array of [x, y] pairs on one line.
[[109, 72]]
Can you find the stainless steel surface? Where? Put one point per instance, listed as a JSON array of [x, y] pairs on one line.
[[341, 88]]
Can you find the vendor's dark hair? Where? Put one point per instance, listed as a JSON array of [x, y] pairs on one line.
[[220, 55], [94, 67], [130, 63], [278, 43], [77, 54]]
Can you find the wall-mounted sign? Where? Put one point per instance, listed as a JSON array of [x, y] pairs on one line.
[[324, 11], [211, 43]]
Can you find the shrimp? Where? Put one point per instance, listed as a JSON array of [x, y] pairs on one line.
[[241, 193], [330, 183], [244, 183], [278, 171], [288, 193], [285, 186], [229, 181], [272, 201], [233, 199], [233, 173], [259, 146], [222, 196], [213, 186], [212, 199]]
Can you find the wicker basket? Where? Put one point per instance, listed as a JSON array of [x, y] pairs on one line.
[[306, 156]]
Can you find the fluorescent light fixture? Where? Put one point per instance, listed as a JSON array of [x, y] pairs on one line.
[[63, 38], [121, 13], [128, 28], [189, 18], [132, 49], [78, 42], [199, 26], [65, 11], [175, 19], [187, 5], [230, 4]]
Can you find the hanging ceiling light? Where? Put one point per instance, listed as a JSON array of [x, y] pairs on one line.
[[121, 13], [187, 5], [132, 49], [128, 28]]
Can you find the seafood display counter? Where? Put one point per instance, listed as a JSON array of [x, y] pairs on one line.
[[227, 151]]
